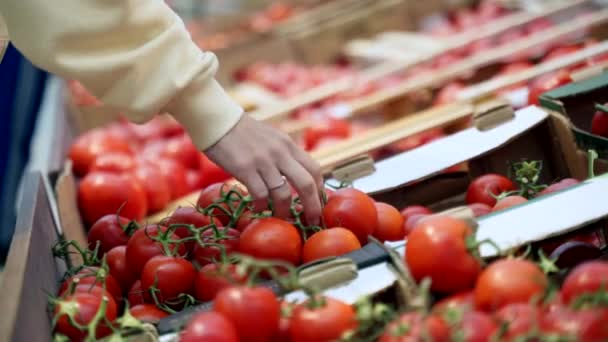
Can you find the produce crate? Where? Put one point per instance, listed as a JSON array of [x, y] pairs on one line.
[[577, 101]]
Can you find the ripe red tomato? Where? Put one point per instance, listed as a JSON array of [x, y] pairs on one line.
[[578, 325], [103, 193], [546, 83], [142, 248], [599, 123], [87, 305], [245, 220], [413, 210], [327, 128], [147, 313], [464, 301], [136, 294], [175, 174], [508, 281], [561, 185], [210, 172], [353, 210], [476, 326], [483, 188], [412, 222], [116, 162], [213, 194], [119, 267], [188, 215], [390, 223], [480, 209], [437, 248], [255, 311], [325, 323], [329, 242], [179, 148], [194, 180], [172, 276], [93, 277], [87, 147], [413, 326], [211, 279], [272, 238], [587, 278], [209, 326], [227, 237], [509, 201], [448, 94], [155, 184], [108, 232], [519, 318]]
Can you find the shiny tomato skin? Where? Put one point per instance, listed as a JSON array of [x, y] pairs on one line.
[[210, 280], [483, 187], [519, 318], [255, 311], [546, 83], [87, 306], [103, 193], [477, 327], [148, 313], [507, 202], [561, 185], [179, 148], [142, 248], [586, 278], [580, 325], [272, 238], [413, 210], [599, 124], [188, 216], [322, 324], [413, 326], [119, 267], [329, 242], [209, 326], [390, 223], [480, 209], [92, 277], [136, 294], [175, 174], [210, 172], [116, 162], [448, 94], [107, 233], [412, 222], [328, 128], [172, 276], [228, 238], [213, 195], [509, 281], [354, 210], [245, 220], [155, 184], [437, 249], [464, 301], [87, 147]]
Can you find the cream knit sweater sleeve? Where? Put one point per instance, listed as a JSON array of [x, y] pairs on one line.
[[134, 55]]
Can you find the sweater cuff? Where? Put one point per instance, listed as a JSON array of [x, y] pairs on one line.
[[206, 111]]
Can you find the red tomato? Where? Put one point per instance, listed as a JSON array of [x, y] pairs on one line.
[[156, 186], [328, 128], [413, 326], [255, 311], [325, 323], [587, 278], [141, 247], [480, 209], [437, 248], [180, 149], [519, 318], [209, 326], [599, 124], [148, 313], [245, 220], [172, 276], [136, 294], [175, 174], [116, 162], [108, 232], [546, 83], [477, 327], [448, 94], [581, 325], [509, 201], [412, 222], [119, 267], [93, 277], [413, 210], [227, 237], [194, 180], [210, 172], [211, 279], [329, 242], [87, 147], [509, 281], [272, 238], [103, 193], [483, 188], [190, 216], [86, 307], [561, 185], [213, 194], [464, 301], [353, 210], [390, 223]]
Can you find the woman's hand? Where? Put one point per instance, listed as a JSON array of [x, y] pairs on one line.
[[259, 156]]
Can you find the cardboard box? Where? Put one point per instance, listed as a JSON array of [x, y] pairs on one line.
[[576, 101]]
